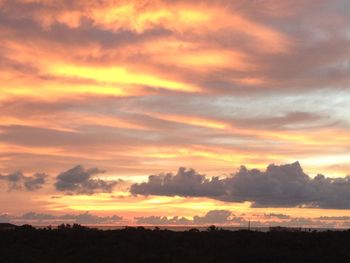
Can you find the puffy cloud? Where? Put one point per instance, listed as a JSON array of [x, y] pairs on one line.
[[186, 182], [18, 181], [284, 185], [287, 186], [78, 180], [278, 186]]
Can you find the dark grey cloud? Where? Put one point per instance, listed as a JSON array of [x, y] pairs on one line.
[[186, 182], [79, 180], [18, 181], [278, 186], [285, 185]]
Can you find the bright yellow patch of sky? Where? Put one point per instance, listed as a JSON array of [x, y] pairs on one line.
[[117, 75]]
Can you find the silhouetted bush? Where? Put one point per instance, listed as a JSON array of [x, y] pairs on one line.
[[75, 243]]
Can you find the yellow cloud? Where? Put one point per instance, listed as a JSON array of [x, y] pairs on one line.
[[118, 75]]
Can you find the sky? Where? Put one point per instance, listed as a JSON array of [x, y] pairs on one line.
[[175, 112]]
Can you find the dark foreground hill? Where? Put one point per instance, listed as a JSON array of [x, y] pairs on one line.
[[78, 244]]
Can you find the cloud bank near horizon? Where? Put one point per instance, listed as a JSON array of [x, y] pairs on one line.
[[212, 217], [46, 219], [228, 218]]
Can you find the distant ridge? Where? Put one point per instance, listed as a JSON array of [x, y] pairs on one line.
[[7, 226]]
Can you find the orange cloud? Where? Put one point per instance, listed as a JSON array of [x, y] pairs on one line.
[[141, 87]]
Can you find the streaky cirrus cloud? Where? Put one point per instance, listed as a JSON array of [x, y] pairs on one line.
[[79, 180], [277, 186], [216, 46], [18, 181]]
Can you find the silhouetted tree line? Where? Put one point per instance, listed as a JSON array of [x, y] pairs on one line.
[[75, 243]]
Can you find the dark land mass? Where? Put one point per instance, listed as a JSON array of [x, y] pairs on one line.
[[80, 244]]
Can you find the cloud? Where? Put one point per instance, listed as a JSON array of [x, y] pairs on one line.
[[78, 180], [292, 120], [272, 45], [216, 217], [287, 186], [45, 218], [5, 218], [36, 216], [278, 216], [186, 182], [228, 218], [88, 218], [335, 218], [18, 181], [278, 186], [102, 82], [212, 217], [161, 220], [284, 185], [226, 48]]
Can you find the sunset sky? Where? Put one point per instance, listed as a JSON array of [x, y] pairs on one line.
[[170, 112]]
